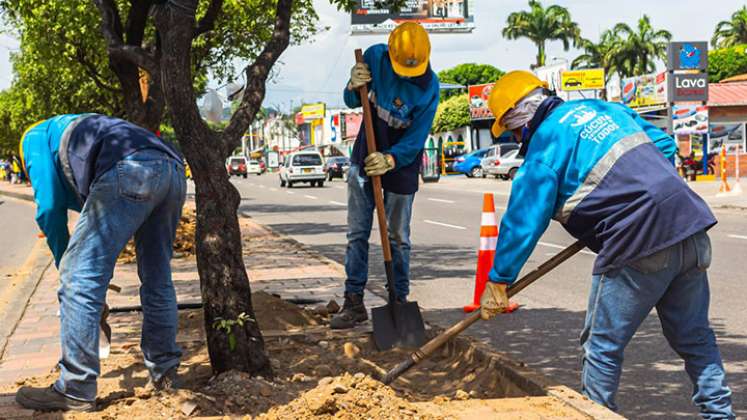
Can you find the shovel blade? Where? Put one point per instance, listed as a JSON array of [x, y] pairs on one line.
[[398, 324]]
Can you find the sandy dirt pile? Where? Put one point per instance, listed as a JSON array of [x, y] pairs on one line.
[[184, 244]]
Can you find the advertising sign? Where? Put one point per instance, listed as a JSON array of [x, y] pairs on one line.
[[551, 75], [688, 87], [647, 90], [690, 119], [478, 102], [312, 112], [591, 79], [730, 134], [434, 15], [272, 160], [687, 56], [351, 125]]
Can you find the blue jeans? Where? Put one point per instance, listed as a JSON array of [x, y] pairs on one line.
[[142, 196], [361, 209], [674, 281]]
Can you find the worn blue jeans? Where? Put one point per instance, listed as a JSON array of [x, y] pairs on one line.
[[675, 282], [361, 209], [142, 196]]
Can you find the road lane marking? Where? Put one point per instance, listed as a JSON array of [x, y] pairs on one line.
[[737, 236], [440, 200], [311, 197], [556, 246], [261, 186], [273, 189], [339, 187], [290, 192], [337, 203], [431, 222]]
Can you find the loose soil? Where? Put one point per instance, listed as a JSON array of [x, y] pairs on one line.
[[184, 243], [318, 375]]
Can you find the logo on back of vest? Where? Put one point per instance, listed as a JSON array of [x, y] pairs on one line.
[[594, 127]]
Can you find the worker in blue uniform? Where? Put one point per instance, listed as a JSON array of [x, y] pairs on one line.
[[607, 176], [125, 182], [404, 94]]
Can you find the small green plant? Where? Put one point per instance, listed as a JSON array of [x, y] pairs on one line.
[[227, 325]]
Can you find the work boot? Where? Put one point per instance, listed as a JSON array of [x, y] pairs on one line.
[[169, 381], [353, 311], [48, 399]]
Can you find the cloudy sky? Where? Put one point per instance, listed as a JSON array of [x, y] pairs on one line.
[[318, 69]]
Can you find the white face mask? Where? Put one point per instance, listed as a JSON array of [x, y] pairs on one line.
[[522, 113]]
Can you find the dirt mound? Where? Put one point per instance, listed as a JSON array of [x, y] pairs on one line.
[[347, 397], [274, 313], [184, 243]]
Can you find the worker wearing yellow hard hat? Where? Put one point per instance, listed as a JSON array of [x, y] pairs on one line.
[[607, 176], [404, 94]]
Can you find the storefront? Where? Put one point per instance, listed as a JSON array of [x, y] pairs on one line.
[[727, 106]]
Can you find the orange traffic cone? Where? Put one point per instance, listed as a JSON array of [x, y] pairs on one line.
[[486, 254]]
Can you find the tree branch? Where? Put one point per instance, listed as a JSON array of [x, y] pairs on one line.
[[92, 72], [137, 18], [207, 23], [111, 26], [257, 74]]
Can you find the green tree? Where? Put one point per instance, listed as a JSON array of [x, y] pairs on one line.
[[540, 25], [640, 47], [727, 62], [731, 32], [467, 74], [451, 114], [600, 54]]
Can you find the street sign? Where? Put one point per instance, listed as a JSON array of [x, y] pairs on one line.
[[687, 56], [591, 79], [688, 87]]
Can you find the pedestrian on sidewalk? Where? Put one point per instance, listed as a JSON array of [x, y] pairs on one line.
[[404, 96], [608, 177], [125, 182]]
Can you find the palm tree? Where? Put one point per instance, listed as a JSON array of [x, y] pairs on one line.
[[638, 49], [540, 25], [731, 32], [599, 55]]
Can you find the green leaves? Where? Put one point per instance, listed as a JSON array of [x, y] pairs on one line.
[[452, 114], [727, 62], [227, 326], [467, 74], [731, 32]]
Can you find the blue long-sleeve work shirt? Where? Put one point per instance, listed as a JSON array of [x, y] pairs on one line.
[[403, 109], [606, 175]]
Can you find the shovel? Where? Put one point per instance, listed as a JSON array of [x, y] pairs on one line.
[[396, 323], [436, 343]]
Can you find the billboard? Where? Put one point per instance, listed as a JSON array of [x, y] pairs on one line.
[[690, 119], [688, 87], [312, 112], [687, 56], [551, 75], [434, 15], [591, 79], [647, 90], [478, 102], [730, 134]]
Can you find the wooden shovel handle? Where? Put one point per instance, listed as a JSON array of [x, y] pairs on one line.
[[378, 193]]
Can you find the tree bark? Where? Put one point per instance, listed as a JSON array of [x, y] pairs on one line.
[[224, 283]]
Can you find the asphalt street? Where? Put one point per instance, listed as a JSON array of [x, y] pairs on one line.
[[18, 232], [544, 333]]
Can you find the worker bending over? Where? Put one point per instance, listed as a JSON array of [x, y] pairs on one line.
[[125, 182], [607, 176], [404, 97]]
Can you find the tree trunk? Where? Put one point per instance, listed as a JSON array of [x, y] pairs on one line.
[[224, 283], [146, 114]]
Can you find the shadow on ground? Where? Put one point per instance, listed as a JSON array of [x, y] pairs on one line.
[[547, 340]]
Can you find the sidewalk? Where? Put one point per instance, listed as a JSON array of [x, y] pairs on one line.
[[275, 264]]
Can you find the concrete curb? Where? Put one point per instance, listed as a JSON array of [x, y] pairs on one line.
[[19, 196]]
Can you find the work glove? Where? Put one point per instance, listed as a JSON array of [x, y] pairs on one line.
[[378, 164], [494, 300], [359, 76]]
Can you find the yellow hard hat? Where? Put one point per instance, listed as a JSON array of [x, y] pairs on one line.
[[409, 49], [508, 91]]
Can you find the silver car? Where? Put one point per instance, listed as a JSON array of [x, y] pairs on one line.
[[495, 154], [305, 167], [508, 165]]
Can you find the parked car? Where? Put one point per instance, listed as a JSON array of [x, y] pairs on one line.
[[337, 167], [303, 167], [495, 152], [508, 164], [237, 165], [254, 167], [471, 163]]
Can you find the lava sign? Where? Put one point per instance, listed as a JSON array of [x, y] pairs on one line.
[[688, 87]]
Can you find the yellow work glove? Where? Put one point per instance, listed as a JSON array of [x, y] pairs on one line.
[[360, 75], [494, 300], [378, 164]]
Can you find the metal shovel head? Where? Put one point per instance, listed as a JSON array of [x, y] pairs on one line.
[[398, 325]]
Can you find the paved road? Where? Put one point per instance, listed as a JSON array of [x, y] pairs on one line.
[[18, 231], [545, 332]]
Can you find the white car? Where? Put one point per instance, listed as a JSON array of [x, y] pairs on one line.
[[506, 166], [254, 168], [495, 154], [303, 167]]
